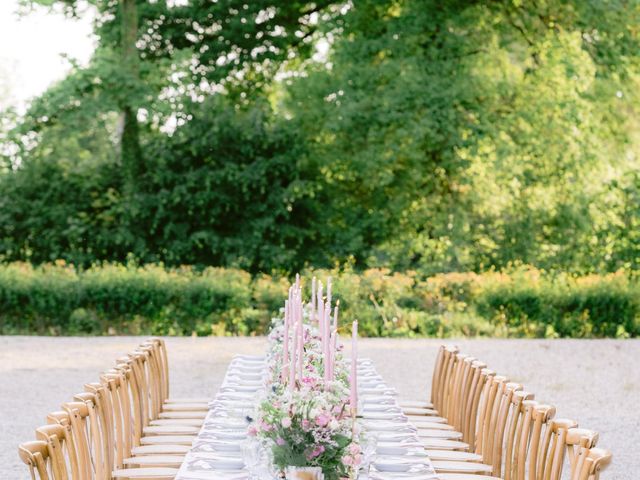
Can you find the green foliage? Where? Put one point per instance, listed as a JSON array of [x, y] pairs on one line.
[[129, 299], [564, 305], [61, 210], [227, 191], [433, 136], [464, 135]]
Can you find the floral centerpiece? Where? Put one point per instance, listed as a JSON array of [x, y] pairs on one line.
[[310, 427], [306, 418]]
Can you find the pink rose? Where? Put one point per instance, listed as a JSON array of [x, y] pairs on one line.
[[286, 422], [280, 441], [316, 452], [323, 420]]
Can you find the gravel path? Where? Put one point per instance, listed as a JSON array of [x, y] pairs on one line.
[[596, 382]]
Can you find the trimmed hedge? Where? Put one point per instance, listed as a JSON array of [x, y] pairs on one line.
[[57, 299]]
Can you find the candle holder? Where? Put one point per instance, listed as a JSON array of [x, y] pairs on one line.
[[303, 473]]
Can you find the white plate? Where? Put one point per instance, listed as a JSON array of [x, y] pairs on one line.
[[391, 466], [381, 407], [396, 417], [230, 434], [227, 463], [391, 450], [399, 437], [226, 446], [378, 400], [241, 388], [389, 428]]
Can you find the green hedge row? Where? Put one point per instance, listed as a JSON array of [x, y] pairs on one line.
[[128, 299]]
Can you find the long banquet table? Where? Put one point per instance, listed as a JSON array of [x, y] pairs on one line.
[[216, 453]]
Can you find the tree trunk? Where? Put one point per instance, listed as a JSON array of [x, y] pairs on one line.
[[130, 151]]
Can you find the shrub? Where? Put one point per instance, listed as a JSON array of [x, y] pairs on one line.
[[57, 299]]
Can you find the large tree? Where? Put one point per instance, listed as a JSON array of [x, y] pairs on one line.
[[153, 55], [435, 135], [462, 134]]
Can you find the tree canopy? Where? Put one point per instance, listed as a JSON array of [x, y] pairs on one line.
[[414, 134]]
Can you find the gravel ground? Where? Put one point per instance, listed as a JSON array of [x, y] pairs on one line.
[[596, 382]]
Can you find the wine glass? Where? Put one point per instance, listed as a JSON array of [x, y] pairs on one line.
[[251, 454], [368, 445]]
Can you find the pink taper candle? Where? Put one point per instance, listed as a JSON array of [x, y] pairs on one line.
[[320, 313], [354, 367], [285, 346], [313, 300], [292, 365], [300, 341], [332, 356], [335, 350], [327, 343]]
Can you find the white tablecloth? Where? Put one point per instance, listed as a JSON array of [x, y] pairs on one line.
[[237, 398]]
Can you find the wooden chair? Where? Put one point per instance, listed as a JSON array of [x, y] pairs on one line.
[[579, 441], [444, 399], [148, 369], [493, 429], [435, 443], [108, 428], [551, 457], [129, 427], [63, 459], [89, 427], [36, 456], [477, 376], [160, 347], [521, 458], [462, 386], [65, 438], [516, 446], [144, 395], [596, 460], [189, 412], [409, 405], [564, 445]]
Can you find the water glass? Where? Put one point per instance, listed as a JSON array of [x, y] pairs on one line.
[[251, 454]]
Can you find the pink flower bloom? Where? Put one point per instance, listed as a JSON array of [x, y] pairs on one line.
[[252, 430], [286, 422], [309, 381], [280, 441], [306, 425], [316, 452], [322, 420]]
